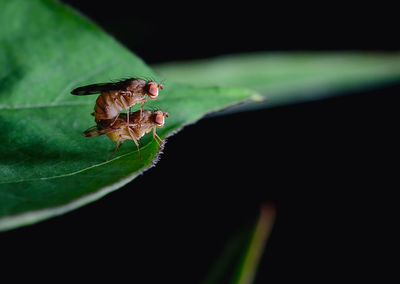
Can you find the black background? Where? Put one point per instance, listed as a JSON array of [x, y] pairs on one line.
[[325, 165]]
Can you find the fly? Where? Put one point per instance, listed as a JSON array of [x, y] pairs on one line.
[[114, 97], [141, 122]]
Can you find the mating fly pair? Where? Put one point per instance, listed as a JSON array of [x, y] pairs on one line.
[[113, 98]]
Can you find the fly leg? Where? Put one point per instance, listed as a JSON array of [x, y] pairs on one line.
[[115, 119], [136, 142], [141, 110], [128, 109], [155, 136], [125, 104], [119, 142]]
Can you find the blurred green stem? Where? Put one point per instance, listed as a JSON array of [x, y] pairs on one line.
[[248, 268]]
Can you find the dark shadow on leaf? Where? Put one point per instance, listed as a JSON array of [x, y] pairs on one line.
[[10, 72]]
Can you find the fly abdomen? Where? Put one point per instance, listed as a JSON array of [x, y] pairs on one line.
[[107, 107]]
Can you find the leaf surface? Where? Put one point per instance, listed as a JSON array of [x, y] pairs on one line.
[[290, 77], [46, 166]]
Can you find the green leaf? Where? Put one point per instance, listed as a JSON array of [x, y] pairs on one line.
[[290, 77], [47, 167]]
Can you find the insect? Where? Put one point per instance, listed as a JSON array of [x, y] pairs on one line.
[[114, 97], [121, 130]]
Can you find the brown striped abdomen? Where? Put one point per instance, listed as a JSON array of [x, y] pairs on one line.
[[108, 106]]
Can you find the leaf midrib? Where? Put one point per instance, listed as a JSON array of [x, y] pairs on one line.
[[71, 173], [67, 103]]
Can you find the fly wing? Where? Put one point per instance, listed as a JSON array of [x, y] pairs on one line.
[[99, 88], [96, 131], [93, 89]]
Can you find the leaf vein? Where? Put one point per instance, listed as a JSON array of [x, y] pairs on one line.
[[75, 172], [68, 103], [95, 72]]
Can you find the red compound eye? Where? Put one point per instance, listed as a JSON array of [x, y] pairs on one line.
[[159, 119], [153, 90]]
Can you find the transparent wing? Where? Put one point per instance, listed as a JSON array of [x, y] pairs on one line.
[[95, 89], [96, 131], [102, 87]]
